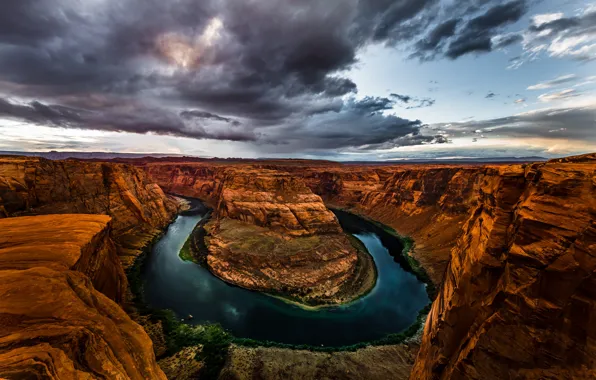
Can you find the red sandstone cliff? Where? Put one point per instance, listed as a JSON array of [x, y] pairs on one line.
[[518, 299], [276, 200], [139, 208], [430, 203], [271, 233], [59, 278]]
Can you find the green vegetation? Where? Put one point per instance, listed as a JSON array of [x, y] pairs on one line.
[[186, 253]]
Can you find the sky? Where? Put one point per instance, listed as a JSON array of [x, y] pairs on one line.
[[339, 79]]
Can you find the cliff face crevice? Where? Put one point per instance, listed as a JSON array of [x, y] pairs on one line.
[[59, 278], [518, 299], [138, 207]]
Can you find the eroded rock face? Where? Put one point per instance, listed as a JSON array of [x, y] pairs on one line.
[[519, 297], [270, 232], [276, 200], [139, 208], [59, 278]]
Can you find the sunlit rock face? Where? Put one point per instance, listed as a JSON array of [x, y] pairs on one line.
[[518, 299], [59, 278], [426, 202], [270, 232], [274, 199], [139, 208]]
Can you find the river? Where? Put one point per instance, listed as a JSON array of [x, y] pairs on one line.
[[187, 288]]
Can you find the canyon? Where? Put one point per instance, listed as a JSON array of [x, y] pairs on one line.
[[510, 248]]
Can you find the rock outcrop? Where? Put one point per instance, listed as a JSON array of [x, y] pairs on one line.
[[429, 203], [59, 279], [139, 208], [271, 233], [518, 298], [275, 200]]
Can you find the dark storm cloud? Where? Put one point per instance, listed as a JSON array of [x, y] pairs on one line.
[[190, 114], [477, 34], [359, 124], [470, 27], [262, 71], [135, 119], [428, 48]]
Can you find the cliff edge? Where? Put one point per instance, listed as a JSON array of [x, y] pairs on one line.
[[59, 279]]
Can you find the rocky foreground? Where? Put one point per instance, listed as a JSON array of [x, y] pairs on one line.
[[60, 278], [36, 186]]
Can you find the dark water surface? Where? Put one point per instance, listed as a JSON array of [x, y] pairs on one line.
[[187, 288]]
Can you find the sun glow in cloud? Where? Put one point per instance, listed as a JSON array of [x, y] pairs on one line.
[[186, 52]]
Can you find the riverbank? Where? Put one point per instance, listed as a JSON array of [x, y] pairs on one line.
[[402, 252], [253, 255]]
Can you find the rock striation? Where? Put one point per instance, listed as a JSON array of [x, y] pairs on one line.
[[429, 203], [59, 279], [139, 208], [275, 200], [271, 233], [518, 298]]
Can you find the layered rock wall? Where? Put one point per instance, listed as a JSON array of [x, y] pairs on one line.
[[139, 208], [513, 246], [59, 278], [518, 299]]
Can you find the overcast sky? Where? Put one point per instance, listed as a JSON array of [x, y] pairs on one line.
[[337, 79]]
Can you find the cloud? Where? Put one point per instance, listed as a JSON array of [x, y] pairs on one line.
[[562, 37], [429, 47], [271, 74], [129, 118], [554, 82], [411, 102], [359, 124], [190, 114], [565, 94], [209, 69], [476, 36], [574, 124], [469, 27]]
